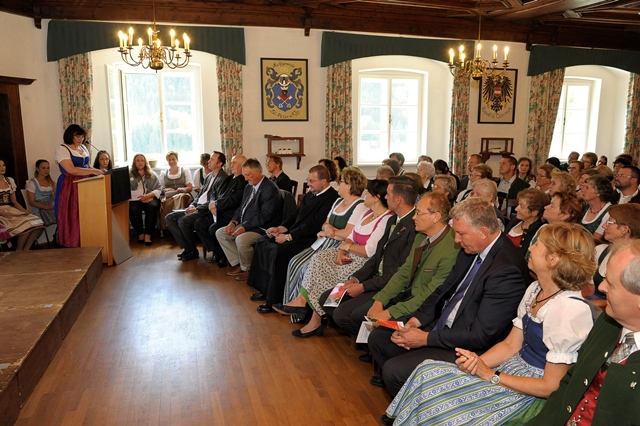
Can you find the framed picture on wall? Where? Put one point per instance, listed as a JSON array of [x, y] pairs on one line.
[[284, 89], [497, 99]]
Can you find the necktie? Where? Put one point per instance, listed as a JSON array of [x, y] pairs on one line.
[[381, 264], [253, 193], [623, 350], [458, 295], [206, 193]]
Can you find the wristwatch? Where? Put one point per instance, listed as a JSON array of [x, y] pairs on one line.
[[495, 379], [287, 237]]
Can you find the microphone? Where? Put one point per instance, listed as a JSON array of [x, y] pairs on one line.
[[92, 145]]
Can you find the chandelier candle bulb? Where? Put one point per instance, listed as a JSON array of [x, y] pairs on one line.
[[451, 56], [130, 36], [150, 32], [140, 42], [506, 53], [173, 36], [186, 42], [121, 40], [478, 49], [495, 52]]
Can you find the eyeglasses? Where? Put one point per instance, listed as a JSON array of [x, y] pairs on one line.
[[476, 175], [79, 136], [429, 212], [624, 176], [611, 222]]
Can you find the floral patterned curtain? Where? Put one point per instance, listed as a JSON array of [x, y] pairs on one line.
[[230, 104], [632, 133], [459, 129], [338, 128], [76, 84], [544, 99]]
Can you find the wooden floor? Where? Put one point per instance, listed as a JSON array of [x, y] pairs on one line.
[[165, 342]]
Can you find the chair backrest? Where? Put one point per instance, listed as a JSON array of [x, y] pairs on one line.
[[294, 187], [26, 199], [288, 204]]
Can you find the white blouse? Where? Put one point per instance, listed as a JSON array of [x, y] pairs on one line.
[[566, 322], [62, 153], [357, 211], [375, 235], [603, 220], [29, 186], [187, 176]]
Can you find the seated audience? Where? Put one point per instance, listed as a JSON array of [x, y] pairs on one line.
[[562, 182], [575, 168], [399, 157], [598, 194], [274, 250], [393, 248], [442, 168], [261, 208], [589, 159], [600, 389], [525, 172], [508, 383], [394, 164], [41, 192], [336, 265], [384, 173], [276, 174], [425, 158], [430, 261], [334, 172], [15, 219], [623, 224], [480, 298], [337, 227], [472, 161], [145, 194], [522, 229], [426, 171], [488, 190], [621, 161], [177, 185], [481, 171], [103, 161], [202, 172], [222, 210], [340, 162], [446, 185], [626, 183], [181, 223], [602, 161], [543, 178], [510, 184]]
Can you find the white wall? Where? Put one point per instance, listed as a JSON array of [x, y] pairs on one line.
[[43, 123]]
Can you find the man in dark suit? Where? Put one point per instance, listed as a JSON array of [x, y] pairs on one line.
[[222, 211], [626, 183], [275, 250], [261, 208], [474, 307], [393, 248], [181, 222], [602, 388], [280, 178]]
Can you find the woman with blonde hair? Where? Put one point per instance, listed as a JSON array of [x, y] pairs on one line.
[[177, 185], [41, 193], [562, 182], [510, 382]]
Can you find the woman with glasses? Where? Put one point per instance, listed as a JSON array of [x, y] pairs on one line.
[[528, 220], [623, 223], [543, 178], [599, 195], [480, 171], [74, 161], [445, 185]]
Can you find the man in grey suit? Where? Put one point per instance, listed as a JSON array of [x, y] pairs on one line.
[[181, 222], [261, 208]]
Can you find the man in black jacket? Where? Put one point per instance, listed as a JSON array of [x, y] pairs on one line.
[[277, 175], [181, 222], [275, 250], [222, 211]]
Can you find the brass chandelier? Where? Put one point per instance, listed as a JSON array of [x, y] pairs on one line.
[[154, 55], [477, 68]]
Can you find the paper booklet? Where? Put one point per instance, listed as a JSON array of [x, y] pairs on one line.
[[336, 295], [316, 245], [369, 324]]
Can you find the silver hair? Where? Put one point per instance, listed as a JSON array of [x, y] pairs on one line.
[[430, 169], [477, 212], [630, 277]]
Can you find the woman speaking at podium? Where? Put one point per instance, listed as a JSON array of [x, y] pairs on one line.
[[74, 160]]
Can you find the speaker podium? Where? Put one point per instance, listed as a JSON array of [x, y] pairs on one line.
[[103, 224]]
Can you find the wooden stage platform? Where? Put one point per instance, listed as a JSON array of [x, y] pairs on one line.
[[42, 292]]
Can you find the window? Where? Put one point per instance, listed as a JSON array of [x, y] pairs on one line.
[[153, 113], [572, 129], [389, 115]]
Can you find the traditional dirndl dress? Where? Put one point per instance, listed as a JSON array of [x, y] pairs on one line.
[[67, 211]]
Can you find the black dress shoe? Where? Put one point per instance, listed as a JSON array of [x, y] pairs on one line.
[[299, 311], [386, 420], [377, 381], [258, 296], [264, 309], [222, 263], [190, 256], [317, 332], [182, 254], [365, 358]]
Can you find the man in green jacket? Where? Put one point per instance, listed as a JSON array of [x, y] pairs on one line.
[[430, 260], [603, 387]]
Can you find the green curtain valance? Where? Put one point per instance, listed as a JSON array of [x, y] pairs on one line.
[[340, 47], [67, 38], [548, 58]]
